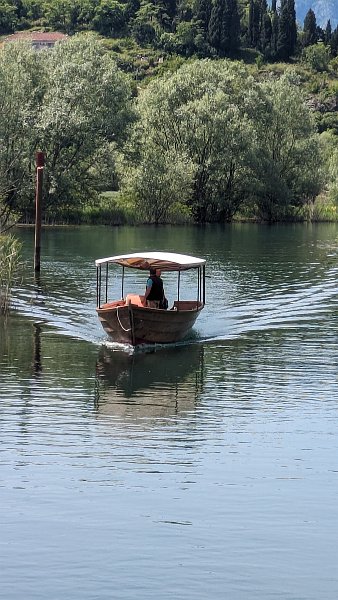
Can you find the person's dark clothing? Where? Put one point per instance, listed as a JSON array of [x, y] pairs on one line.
[[156, 290]]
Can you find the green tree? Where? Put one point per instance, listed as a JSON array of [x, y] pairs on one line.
[[274, 35], [310, 29], [204, 112], [265, 31], [21, 89], [287, 156], [214, 28], [8, 17], [185, 37], [160, 184], [317, 57], [68, 15], [328, 32], [146, 24], [202, 13], [109, 17], [329, 145], [71, 102], [224, 26], [254, 23], [287, 31], [84, 113], [230, 27], [32, 10], [334, 42]]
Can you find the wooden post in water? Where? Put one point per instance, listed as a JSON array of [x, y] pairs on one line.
[[40, 161]]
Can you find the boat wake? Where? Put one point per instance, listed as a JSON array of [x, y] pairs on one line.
[[298, 305]]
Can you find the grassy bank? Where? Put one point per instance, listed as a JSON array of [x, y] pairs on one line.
[[113, 209]]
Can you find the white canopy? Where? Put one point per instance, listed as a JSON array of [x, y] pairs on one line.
[[166, 261]]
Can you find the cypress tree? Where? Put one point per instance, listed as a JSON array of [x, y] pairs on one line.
[[310, 29], [203, 13], [224, 26], [287, 31], [230, 27], [328, 32], [274, 34], [253, 25], [170, 7], [214, 29], [334, 42], [264, 27], [293, 25], [266, 36], [274, 6]]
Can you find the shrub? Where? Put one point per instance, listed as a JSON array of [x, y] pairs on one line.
[[9, 261], [317, 57]]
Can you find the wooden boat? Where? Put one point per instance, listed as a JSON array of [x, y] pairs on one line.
[[128, 320]]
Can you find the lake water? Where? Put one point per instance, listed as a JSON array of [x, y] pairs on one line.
[[207, 470]]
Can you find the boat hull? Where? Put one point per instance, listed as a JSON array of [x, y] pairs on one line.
[[137, 325]]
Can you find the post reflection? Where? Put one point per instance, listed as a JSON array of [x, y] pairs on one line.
[[37, 363], [154, 385]]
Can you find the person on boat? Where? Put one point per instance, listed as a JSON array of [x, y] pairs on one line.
[[154, 293]]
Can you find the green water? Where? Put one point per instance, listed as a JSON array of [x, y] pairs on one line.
[[207, 470]]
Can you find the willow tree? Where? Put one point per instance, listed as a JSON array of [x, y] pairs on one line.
[[21, 90], [84, 114], [73, 103], [288, 161], [204, 114]]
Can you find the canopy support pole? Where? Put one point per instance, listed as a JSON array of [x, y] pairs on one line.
[[107, 266], [203, 285], [98, 286], [178, 288]]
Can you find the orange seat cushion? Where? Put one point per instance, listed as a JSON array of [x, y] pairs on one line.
[[134, 299]]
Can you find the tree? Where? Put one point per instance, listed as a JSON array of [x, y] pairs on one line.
[[214, 29], [334, 42], [287, 33], [160, 184], [288, 160], [109, 17], [230, 27], [71, 102], [265, 30], [8, 17], [202, 14], [32, 10], [21, 89], [329, 145], [224, 26], [317, 57], [310, 29], [253, 23], [274, 35], [146, 24], [205, 113], [328, 32], [84, 113]]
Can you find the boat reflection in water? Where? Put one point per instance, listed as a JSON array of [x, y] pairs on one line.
[[156, 385]]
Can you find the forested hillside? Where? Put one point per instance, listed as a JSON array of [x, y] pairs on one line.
[[169, 112], [206, 28]]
